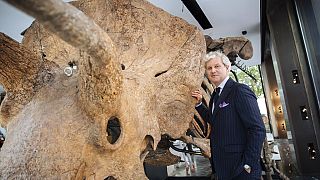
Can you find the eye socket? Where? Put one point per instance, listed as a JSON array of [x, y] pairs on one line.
[[113, 130]]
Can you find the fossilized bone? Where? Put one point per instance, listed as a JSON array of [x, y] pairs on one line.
[[231, 46], [135, 63]]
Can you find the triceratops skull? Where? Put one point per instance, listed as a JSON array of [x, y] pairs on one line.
[[61, 97]]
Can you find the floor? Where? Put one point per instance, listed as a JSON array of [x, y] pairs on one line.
[[201, 164], [288, 164]]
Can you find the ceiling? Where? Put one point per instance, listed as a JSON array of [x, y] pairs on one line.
[[227, 17]]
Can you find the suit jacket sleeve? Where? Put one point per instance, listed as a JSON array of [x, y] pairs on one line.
[[248, 110], [204, 112]]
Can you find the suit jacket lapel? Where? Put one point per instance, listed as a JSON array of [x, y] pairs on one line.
[[225, 92]]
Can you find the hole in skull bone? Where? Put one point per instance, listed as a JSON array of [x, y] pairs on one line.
[[2, 93], [2, 130], [113, 130], [72, 63], [110, 178], [160, 73], [123, 67], [2, 138], [147, 146], [148, 141]]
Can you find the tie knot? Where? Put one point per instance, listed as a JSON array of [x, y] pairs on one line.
[[217, 90]]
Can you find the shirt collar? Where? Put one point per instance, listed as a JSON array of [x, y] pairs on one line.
[[223, 83]]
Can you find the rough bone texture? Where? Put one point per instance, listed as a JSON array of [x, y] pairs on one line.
[[231, 46], [61, 132], [21, 78]]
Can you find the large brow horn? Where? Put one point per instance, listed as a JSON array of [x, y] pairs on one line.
[[97, 91], [71, 25]]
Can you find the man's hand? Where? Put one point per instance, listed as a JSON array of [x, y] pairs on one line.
[[197, 95]]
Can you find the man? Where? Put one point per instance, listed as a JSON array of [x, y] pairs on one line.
[[237, 128]]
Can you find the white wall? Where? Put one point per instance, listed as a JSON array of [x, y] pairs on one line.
[[13, 21]]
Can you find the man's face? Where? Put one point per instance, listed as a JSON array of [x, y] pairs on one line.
[[216, 71]]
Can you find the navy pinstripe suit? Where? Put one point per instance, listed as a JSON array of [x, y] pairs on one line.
[[238, 132]]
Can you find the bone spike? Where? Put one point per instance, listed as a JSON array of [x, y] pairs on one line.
[[77, 29]]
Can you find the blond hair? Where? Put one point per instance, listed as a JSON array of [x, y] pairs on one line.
[[214, 54]]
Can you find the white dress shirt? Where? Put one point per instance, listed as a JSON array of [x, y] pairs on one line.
[[221, 86]]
